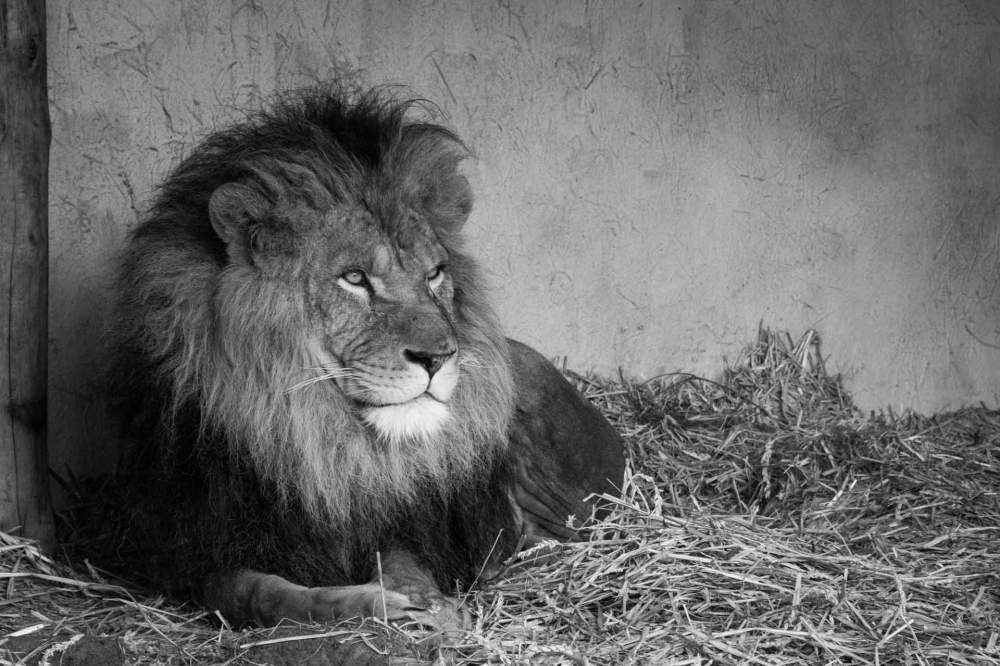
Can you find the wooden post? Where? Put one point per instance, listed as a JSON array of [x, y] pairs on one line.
[[24, 166]]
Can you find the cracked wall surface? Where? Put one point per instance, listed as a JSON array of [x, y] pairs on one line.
[[653, 180]]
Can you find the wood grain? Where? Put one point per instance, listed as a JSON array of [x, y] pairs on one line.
[[24, 148]]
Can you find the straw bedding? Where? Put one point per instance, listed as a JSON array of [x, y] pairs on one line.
[[765, 520]]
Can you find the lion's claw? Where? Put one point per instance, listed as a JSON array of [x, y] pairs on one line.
[[442, 615]]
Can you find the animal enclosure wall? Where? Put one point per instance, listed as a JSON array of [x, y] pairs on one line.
[[654, 179]]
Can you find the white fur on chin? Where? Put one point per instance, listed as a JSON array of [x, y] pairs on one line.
[[417, 419]]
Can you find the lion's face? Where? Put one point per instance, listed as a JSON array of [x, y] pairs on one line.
[[379, 305], [383, 320]]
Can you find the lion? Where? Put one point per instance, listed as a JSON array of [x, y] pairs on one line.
[[327, 421]]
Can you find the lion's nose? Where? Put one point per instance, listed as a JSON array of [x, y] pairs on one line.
[[430, 361]]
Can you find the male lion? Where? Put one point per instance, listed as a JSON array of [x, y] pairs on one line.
[[329, 422]]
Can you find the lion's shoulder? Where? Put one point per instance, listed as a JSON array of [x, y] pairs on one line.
[[561, 439]]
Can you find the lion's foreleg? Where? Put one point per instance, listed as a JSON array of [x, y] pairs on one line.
[[251, 597], [402, 592]]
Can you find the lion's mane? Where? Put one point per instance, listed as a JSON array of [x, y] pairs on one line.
[[214, 360]]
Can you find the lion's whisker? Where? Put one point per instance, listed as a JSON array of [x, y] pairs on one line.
[[475, 363], [324, 375]]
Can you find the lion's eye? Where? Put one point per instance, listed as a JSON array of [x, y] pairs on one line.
[[355, 277], [436, 276]]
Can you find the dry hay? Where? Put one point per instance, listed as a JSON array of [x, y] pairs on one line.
[[765, 521]]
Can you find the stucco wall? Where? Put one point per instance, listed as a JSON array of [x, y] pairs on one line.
[[654, 178]]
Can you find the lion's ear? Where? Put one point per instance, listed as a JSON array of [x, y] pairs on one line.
[[432, 163], [448, 197], [233, 207]]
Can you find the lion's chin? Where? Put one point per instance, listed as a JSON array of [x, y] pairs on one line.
[[419, 419]]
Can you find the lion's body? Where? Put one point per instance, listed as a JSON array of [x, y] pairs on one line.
[[314, 375]]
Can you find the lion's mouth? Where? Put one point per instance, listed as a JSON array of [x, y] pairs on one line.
[[405, 388], [365, 402]]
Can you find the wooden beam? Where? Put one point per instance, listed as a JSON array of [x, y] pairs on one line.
[[24, 165]]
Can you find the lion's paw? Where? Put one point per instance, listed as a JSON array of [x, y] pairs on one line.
[[435, 612], [439, 614]]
